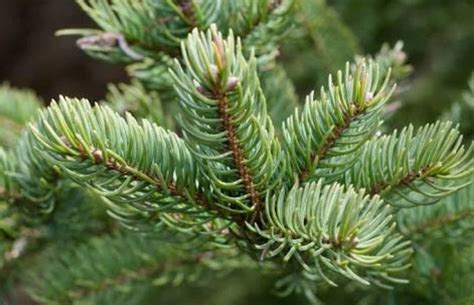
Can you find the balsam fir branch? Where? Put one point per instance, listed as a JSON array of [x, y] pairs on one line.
[[154, 27]]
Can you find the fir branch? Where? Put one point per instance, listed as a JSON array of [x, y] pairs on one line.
[[237, 153], [330, 141], [146, 172], [132, 31], [226, 178], [326, 138], [145, 24], [410, 169], [325, 228], [225, 120]]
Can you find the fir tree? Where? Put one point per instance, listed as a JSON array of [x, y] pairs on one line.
[[211, 165]]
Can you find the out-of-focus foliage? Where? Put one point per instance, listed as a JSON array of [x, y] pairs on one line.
[[438, 37], [462, 111], [17, 107]]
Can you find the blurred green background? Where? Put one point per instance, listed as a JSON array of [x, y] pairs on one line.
[[438, 38]]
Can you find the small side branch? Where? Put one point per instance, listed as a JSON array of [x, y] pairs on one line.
[[331, 140], [409, 178]]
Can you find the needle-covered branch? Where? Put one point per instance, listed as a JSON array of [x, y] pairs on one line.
[[225, 120], [332, 229], [412, 168], [134, 30], [146, 172], [145, 27], [325, 138]]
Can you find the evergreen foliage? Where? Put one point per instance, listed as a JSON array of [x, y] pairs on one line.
[[240, 179], [17, 107], [149, 262]]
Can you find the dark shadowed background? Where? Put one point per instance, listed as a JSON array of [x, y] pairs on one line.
[[31, 56]]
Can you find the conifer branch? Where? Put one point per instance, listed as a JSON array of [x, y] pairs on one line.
[[225, 119], [146, 172], [326, 228], [410, 169], [151, 28], [325, 139]]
